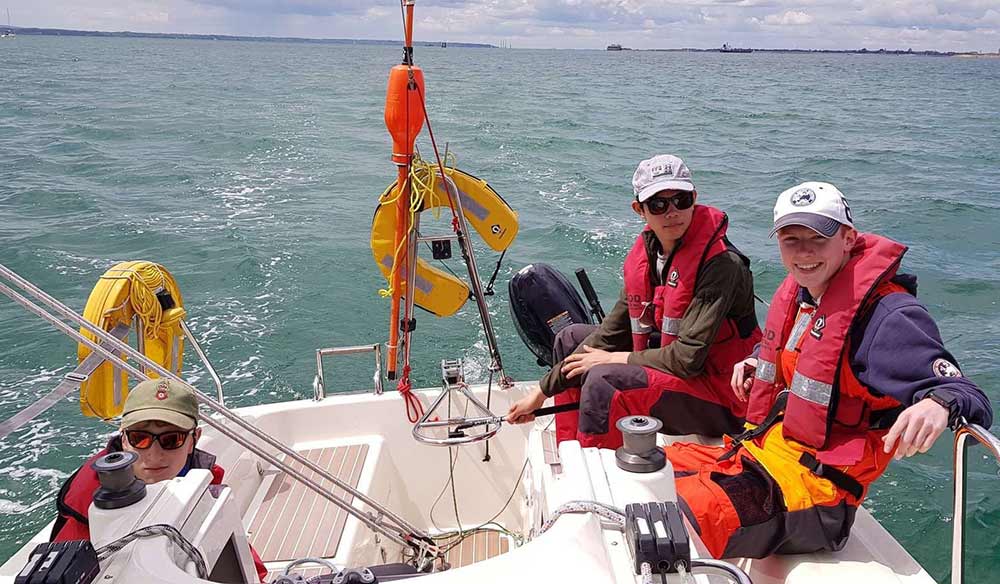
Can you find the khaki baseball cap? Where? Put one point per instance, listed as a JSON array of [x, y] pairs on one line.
[[161, 400]]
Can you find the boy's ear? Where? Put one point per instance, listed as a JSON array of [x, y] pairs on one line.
[[850, 237], [637, 207]]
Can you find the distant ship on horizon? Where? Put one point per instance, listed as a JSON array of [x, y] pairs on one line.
[[614, 47], [728, 49], [9, 33]]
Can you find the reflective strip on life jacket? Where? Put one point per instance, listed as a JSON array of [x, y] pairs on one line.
[[766, 371], [638, 328], [670, 326], [801, 324], [812, 390]]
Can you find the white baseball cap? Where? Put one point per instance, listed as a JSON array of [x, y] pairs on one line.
[[819, 206], [660, 173]]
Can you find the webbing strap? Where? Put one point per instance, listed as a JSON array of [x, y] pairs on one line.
[[773, 417], [71, 382], [839, 478]]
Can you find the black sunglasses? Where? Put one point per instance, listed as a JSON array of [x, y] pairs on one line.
[[660, 205], [172, 440]]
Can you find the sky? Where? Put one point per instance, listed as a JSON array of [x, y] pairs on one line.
[[943, 25]]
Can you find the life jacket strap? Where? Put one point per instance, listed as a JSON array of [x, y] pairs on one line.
[[839, 478], [775, 415]]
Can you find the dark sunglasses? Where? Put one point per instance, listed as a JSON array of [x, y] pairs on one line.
[[660, 205], [172, 440]]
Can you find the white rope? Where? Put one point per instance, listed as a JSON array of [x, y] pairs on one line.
[[606, 511]]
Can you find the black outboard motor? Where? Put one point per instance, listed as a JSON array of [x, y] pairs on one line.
[[543, 302]]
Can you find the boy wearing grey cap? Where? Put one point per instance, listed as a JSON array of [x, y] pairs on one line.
[[684, 317]]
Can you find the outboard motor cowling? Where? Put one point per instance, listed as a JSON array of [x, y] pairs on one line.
[[543, 302]]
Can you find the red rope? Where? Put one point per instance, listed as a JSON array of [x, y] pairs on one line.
[[414, 409]]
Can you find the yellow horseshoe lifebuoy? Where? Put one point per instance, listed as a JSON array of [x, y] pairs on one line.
[[130, 292], [485, 211]]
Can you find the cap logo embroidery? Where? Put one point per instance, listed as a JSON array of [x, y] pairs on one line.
[[818, 325], [161, 391], [660, 170], [945, 368], [673, 278], [847, 210], [803, 197]]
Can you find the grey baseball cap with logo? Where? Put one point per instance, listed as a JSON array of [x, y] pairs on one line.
[[660, 173], [161, 400]]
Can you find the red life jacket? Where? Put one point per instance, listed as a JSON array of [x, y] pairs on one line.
[[828, 409], [662, 307], [76, 494]]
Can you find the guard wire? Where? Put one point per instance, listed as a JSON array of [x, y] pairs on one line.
[[407, 536]]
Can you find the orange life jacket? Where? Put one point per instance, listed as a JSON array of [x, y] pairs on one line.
[[826, 400], [829, 418]]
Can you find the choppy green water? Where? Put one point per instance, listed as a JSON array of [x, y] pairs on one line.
[[251, 171]]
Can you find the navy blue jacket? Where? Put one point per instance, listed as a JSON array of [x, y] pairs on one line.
[[896, 350]]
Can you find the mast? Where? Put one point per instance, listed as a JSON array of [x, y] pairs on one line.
[[404, 118]]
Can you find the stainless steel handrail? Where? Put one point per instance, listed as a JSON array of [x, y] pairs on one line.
[[992, 444], [407, 534], [709, 566], [319, 384], [491, 422], [204, 360]]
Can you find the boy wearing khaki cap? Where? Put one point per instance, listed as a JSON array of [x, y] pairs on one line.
[[160, 425]]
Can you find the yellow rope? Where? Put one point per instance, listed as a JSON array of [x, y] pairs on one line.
[[144, 281], [421, 190]]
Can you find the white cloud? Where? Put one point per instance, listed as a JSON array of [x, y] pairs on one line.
[[789, 18]]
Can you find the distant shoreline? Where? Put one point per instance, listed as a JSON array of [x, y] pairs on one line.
[[861, 51], [226, 37], [381, 42]]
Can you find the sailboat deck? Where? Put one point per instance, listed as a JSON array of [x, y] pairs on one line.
[[295, 522], [480, 546]]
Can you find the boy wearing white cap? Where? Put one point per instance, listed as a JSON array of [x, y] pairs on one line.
[[685, 316], [851, 371]]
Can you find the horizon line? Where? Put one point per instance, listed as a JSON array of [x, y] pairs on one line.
[[47, 31]]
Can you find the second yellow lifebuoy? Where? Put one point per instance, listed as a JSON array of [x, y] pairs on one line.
[[485, 211]]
